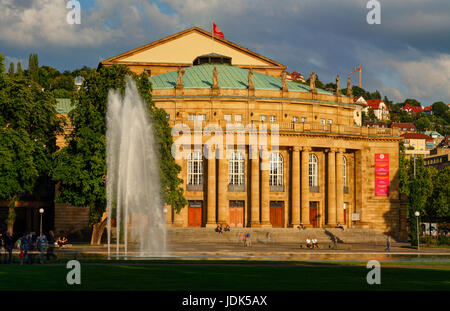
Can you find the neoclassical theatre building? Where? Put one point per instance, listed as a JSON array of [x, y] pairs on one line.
[[324, 169]]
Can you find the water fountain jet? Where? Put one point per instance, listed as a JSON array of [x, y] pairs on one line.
[[133, 187]]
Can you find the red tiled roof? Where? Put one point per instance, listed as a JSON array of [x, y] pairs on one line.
[[409, 108], [416, 136], [408, 126], [375, 103], [427, 108]]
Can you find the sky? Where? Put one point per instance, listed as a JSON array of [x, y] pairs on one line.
[[407, 55]]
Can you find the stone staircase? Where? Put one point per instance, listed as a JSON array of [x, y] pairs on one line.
[[277, 235]]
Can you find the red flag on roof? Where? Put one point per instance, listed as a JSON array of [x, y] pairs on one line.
[[217, 32]]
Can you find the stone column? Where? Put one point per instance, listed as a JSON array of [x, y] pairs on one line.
[[305, 185], [265, 191], [295, 209], [340, 187], [331, 221], [254, 188], [223, 211], [211, 205], [180, 219]]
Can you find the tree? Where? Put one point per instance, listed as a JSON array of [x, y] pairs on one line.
[[19, 69], [81, 166], [47, 76], [11, 69], [438, 205], [2, 63], [28, 124], [411, 102], [420, 187], [403, 170], [423, 124], [33, 67], [439, 109]]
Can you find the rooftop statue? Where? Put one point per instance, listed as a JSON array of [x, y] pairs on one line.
[[215, 78], [180, 79]]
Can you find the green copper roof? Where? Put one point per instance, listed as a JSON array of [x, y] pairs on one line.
[[197, 77], [63, 105]]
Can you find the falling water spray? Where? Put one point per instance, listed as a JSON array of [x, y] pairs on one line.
[[133, 187]]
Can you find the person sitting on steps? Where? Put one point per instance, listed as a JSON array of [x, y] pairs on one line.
[[339, 226], [308, 243]]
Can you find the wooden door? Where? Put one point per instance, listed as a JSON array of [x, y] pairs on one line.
[[236, 209], [276, 213], [313, 213], [195, 213]]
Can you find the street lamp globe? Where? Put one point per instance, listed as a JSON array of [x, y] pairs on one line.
[[417, 214], [41, 210]]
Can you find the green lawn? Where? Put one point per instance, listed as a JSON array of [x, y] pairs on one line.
[[219, 276]]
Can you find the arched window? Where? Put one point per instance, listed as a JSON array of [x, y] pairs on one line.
[[276, 169], [344, 168], [313, 171], [236, 167], [195, 168]]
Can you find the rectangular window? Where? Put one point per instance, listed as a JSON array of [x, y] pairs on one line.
[[201, 117], [295, 119], [263, 118], [227, 117], [322, 121], [303, 120], [238, 118], [330, 121], [191, 117], [273, 118]]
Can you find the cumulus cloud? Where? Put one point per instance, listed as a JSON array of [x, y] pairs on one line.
[[427, 78], [325, 36]]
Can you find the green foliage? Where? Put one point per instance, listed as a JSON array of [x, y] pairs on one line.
[[439, 109], [403, 170], [420, 188], [411, 102], [28, 124], [19, 70], [81, 165], [33, 67], [2, 63], [47, 75], [438, 203], [423, 124], [11, 69]]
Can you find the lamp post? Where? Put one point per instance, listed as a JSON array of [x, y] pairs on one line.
[[417, 214], [41, 211]]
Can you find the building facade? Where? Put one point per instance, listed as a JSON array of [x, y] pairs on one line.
[[294, 154]]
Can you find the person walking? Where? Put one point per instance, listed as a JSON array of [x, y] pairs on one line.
[[51, 246], [41, 246], [9, 245], [1, 246], [24, 247], [335, 242], [388, 244]]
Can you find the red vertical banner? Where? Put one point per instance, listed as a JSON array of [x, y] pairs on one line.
[[381, 174]]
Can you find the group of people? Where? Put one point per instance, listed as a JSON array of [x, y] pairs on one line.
[[312, 243], [28, 244], [221, 229]]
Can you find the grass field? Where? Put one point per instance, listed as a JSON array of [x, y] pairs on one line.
[[208, 275]]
